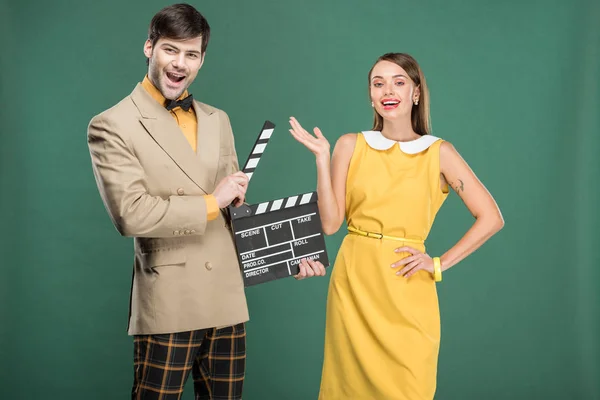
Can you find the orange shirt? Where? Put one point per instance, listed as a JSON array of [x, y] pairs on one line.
[[189, 126]]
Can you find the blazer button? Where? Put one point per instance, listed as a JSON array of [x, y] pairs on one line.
[[193, 231], [187, 231], [180, 191], [208, 265], [176, 233]]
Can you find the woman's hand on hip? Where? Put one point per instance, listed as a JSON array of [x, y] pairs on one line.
[[412, 264]]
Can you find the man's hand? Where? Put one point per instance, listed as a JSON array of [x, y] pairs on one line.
[[310, 268], [232, 187]]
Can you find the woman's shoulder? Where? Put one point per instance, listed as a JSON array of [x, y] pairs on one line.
[[347, 139], [446, 148], [346, 143]]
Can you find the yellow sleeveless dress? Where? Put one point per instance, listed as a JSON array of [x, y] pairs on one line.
[[382, 330]]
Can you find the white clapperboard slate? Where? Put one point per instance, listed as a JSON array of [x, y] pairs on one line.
[[272, 237]]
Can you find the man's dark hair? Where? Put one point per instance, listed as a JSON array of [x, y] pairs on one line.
[[179, 22]]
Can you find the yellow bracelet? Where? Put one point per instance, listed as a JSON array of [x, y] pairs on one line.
[[437, 269]]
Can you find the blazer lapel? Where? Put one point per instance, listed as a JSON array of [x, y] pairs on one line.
[[159, 123], [209, 142]]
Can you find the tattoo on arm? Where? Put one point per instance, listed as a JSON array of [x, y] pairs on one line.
[[458, 187]]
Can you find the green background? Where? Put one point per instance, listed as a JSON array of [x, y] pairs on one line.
[[514, 86]]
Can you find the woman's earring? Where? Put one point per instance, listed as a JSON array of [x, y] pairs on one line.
[[416, 102], [372, 104]]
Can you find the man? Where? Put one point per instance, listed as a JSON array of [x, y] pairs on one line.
[[165, 165]]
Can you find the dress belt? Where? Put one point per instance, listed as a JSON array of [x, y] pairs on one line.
[[351, 229]]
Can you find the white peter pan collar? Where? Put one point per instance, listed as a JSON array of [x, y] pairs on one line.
[[379, 142]]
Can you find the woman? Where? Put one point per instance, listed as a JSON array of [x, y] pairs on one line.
[[383, 326]]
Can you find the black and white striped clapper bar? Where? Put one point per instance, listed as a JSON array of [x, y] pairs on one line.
[[272, 237]]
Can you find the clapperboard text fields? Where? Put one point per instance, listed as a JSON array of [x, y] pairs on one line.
[[273, 237]]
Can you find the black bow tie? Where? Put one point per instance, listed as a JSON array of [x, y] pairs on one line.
[[185, 104]]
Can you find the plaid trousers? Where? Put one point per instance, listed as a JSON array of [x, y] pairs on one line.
[[216, 357]]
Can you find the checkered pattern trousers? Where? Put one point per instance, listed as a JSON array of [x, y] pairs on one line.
[[216, 357]]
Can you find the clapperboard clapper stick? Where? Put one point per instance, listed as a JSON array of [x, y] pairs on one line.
[[272, 237]]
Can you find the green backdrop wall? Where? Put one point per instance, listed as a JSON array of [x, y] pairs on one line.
[[514, 86]]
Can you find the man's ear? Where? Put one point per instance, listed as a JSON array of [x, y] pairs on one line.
[[148, 48], [202, 60]]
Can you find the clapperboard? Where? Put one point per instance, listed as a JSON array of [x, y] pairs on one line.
[[272, 237]]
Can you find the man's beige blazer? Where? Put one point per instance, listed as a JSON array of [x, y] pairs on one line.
[[186, 273]]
